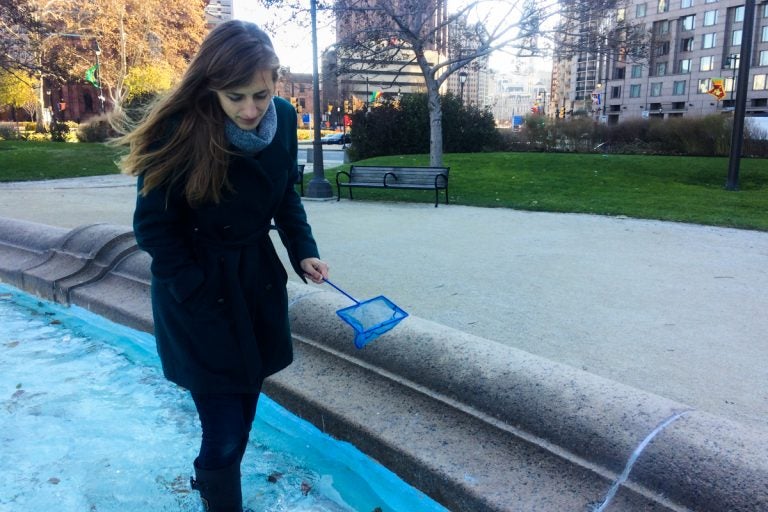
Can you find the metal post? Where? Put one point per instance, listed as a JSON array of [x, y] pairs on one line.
[[737, 133], [97, 51], [319, 187]]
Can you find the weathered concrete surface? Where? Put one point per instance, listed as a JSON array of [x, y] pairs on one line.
[[475, 424]]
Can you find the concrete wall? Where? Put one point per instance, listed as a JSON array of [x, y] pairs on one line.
[[476, 425]]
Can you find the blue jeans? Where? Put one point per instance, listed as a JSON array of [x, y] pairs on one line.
[[226, 420]]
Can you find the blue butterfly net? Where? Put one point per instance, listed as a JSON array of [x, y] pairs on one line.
[[372, 318]]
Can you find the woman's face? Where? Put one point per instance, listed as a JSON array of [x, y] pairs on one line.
[[246, 105]]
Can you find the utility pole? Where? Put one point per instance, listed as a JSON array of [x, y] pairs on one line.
[[319, 187], [737, 133]]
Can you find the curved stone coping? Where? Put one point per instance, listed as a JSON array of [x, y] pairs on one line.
[[475, 424], [700, 461], [24, 245]]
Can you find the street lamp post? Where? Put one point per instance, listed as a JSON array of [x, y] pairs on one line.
[[737, 132], [462, 80], [97, 51], [319, 187]]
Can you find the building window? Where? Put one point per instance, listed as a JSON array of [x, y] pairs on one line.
[[685, 4], [620, 14], [616, 91], [738, 14], [678, 87], [688, 22], [709, 40], [686, 45], [765, 10], [656, 88], [684, 66], [707, 63], [763, 61], [661, 27], [705, 84], [731, 61], [764, 34], [710, 18], [618, 73], [663, 6], [728, 84], [634, 91], [640, 11], [710, 1], [736, 38], [759, 82], [661, 68], [637, 70], [661, 49]]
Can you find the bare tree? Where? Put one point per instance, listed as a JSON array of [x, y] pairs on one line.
[[375, 33]]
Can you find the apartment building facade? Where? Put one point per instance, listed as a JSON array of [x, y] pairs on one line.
[[693, 48]]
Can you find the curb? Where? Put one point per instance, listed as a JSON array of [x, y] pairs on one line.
[[474, 424]]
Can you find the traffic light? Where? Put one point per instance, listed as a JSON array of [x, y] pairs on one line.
[[562, 112], [346, 106], [295, 103], [330, 108]]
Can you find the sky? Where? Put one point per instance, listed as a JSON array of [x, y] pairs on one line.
[[293, 42]]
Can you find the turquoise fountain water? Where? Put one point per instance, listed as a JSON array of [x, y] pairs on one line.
[[89, 424]]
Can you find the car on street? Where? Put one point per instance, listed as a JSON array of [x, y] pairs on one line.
[[336, 138]]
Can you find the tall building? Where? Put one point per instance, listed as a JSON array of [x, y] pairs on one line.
[[217, 11], [693, 46], [471, 82]]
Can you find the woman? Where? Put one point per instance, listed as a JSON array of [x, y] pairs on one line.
[[216, 164]]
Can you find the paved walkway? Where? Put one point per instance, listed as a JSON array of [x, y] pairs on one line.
[[674, 309]]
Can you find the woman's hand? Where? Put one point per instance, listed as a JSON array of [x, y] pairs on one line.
[[315, 269]]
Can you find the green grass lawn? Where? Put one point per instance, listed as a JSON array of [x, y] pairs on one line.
[[24, 161], [685, 189]]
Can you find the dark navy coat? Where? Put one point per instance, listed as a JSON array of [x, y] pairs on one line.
[[219, 299]]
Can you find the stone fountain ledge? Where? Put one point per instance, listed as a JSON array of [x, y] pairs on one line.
[[476, 425]]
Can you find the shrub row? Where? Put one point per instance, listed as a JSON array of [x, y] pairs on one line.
[[402, 127], [695, 136]]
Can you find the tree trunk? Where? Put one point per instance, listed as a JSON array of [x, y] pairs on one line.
[[40, 101], [435, 112], [435, 128]]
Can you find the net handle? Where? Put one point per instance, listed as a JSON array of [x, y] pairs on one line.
[[342, 291]]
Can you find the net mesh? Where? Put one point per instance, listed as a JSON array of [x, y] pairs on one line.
[[371, 318]]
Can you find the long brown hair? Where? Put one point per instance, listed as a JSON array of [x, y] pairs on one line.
[[182, 135]]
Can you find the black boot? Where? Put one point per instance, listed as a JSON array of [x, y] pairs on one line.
[[220, 489]]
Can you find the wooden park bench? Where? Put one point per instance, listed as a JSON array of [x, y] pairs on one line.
[[374, 176]]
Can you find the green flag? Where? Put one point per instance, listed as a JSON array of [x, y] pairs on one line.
[[90, 75]]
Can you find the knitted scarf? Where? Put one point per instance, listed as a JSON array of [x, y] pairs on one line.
[[253, 141]]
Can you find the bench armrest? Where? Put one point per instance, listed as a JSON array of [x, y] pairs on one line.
[[437, 178], [345, 173], [389, 174]]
